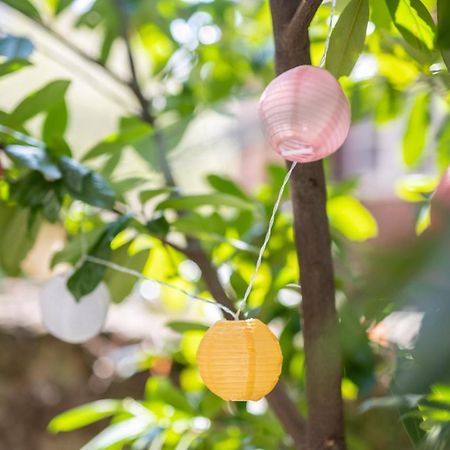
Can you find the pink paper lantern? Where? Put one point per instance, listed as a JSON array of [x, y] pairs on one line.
[[306, 114]]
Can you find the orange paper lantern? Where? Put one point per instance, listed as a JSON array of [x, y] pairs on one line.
[[240, 360]]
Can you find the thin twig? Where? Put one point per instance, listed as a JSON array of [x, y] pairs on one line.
[[145, 103]]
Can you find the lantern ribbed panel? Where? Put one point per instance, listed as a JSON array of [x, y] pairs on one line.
[[240, 359], [305, 113]]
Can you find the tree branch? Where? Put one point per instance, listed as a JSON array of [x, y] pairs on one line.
[[144, 102], [325, 426]]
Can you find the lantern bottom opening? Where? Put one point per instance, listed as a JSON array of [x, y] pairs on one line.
[[295, 149]]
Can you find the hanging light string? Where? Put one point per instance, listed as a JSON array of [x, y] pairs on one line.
[[122, 269], [134, 273], [243, 302], [276, 206]]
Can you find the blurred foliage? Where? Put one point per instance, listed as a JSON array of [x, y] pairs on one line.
[[392, 57]]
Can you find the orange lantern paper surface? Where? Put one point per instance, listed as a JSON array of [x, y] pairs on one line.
[[240, 360], [305, 113]]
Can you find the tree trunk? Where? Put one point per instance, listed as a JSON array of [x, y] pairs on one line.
[[325, 424]]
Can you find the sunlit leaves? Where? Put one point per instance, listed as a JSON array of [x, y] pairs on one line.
[[414, 23], [351, 218], [84, 415], [57, 6], [120, 433], [415, 136], [347, 39], [416, 188]]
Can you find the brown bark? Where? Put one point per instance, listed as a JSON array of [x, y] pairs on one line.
[[325, 424]]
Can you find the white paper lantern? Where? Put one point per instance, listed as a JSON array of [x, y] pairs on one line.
[[69, 320]]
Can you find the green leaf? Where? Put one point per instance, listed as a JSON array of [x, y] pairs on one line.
[[72, 252], [59, 5], [443, 145], [34, 158], [44, 195], [415, 136], [40, 101], [132, 130], [121, 187], [166, 139], [145, 196], [18, 231], [182, 327], [389, 104], [414, 22], [216, 200], [120, 284], [351, 218], [54, 128], [443, 20], [226, 186], [158, 226], [415, 187], [443, 30], [120, 433], [84, 415], [161, 389], [13, 65], [25, 7], [347, 38], [14, 47], [86, 185], [88, 276]]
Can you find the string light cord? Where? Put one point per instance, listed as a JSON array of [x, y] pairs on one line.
[[276, 206], [134, 273]]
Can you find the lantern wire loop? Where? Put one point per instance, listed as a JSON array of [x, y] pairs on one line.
[[134, 273], [243, 303]]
